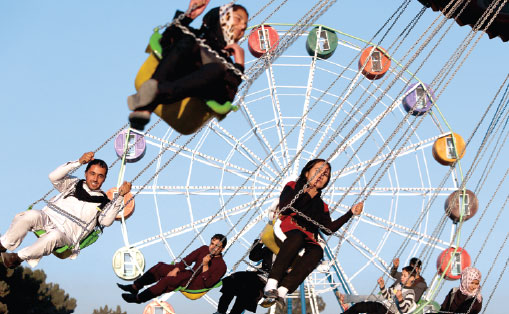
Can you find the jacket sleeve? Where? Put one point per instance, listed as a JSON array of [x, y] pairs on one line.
[[287, 196], [385, 293], [447, 301], [408, 302], [173, 33], [394, 272], [189, 259], [110, 211], [60, 178], [338, 223], [212, 276]]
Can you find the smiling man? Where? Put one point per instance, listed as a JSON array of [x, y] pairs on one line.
[[68, 217], [208, 269]]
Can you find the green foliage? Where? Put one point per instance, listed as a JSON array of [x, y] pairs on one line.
[[23, 291], [106, 310], [296, 306]]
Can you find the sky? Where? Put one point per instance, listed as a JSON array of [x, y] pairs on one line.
[[68, 67]]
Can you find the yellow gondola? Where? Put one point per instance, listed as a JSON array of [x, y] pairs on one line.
[[189, 114]]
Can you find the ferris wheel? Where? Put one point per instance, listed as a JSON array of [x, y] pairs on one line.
[[331, 96]]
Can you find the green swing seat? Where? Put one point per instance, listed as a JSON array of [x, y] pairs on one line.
[[65, 251]]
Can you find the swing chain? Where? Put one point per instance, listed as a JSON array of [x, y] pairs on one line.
[[202, 43]]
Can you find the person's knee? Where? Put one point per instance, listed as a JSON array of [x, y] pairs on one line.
[[26, 216]]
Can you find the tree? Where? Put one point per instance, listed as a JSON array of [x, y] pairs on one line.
[[23, 291], [296, 306], [106, 310]]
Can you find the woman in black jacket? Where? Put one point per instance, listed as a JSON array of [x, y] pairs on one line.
[[188, 70], [301, 233], [467, 298]]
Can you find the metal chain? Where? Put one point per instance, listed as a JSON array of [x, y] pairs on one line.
[[496, 285], [234, 194], [72, 171]]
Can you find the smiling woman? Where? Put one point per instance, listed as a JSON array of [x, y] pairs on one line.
[[299, 202], [193, 63]]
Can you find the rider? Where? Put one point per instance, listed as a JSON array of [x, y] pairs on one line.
[[208, 269], [188, 70], [80, 205]]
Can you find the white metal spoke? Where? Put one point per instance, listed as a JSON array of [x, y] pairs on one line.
[[249, 152], [212, 161], [276, 107]]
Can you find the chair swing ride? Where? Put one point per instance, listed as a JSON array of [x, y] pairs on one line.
[[310, 91]]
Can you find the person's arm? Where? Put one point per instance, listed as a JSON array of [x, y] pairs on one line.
[[406, 303], [383, 289], [60, 178], [338, 223], [111, 210], [476, 308], [212, 274], [190, 258], [288, 195], [394, 269]]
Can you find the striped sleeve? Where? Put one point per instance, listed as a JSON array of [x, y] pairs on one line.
[[408, 302], [385, 293]]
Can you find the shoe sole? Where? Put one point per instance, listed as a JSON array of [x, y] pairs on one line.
[[138, 122]]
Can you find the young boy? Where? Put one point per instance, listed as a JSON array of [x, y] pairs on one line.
[[419, 285], [208, 269], [399, 298]]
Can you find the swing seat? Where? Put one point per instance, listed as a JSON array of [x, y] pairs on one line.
[[196, 294], [268, 238], [431, 307], [66, 251], [187, 115]]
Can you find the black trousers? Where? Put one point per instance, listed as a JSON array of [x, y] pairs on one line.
[[368, 308], [295, 241], [247, 286]]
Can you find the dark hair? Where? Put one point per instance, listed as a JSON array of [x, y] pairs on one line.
[[220, 237], [410, 270], [302, 177], [415, 262], [98, 162], [240, 7]]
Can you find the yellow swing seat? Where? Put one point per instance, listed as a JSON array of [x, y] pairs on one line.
[[188, 115], [268, 238], [196, 294]]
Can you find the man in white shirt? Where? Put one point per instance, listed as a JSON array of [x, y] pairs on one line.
[[68, 217]]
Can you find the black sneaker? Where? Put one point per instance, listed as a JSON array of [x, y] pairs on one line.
[[128, 288], [11, 260], [130, 298], [271, 294], [138, 119]]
